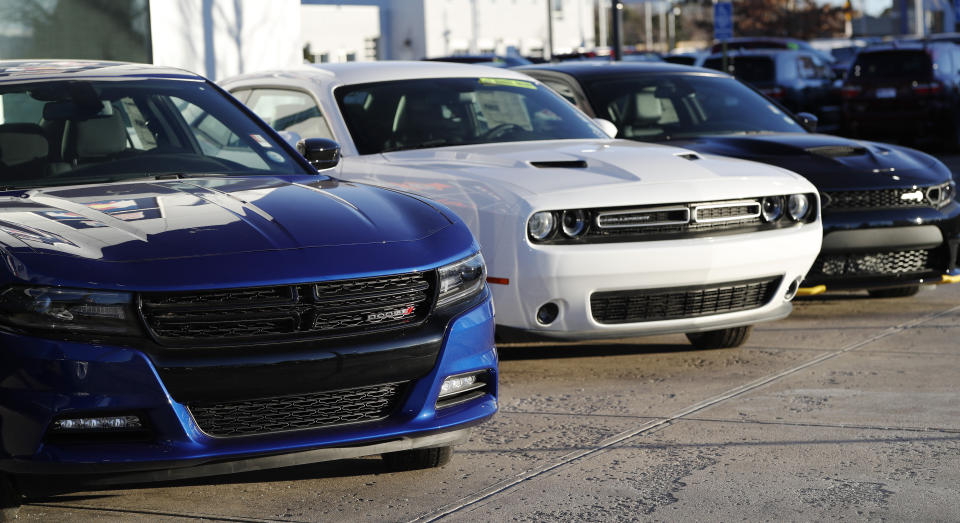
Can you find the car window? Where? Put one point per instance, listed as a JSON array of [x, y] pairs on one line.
[[291, 111], [665, 107], [750, 69], [437, 112], [806, 68], [562, 88], [893, 64], [80, 131]]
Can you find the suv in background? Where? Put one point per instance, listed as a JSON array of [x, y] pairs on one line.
[[904, 91], [800, 80]]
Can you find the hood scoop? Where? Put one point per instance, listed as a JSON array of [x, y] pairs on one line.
[[691, 156], [560, 164], [837, 151]]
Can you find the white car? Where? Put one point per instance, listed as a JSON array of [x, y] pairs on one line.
[[585, 236]]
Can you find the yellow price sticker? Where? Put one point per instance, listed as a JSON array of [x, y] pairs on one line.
[[508, 82]]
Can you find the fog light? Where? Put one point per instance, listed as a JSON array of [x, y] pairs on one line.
[[460, 388], [98, 424], [792, 290], [547, 313]]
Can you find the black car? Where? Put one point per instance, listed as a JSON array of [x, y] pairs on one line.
[[494, 60], [890, 216], [908, 91], [799, 79]]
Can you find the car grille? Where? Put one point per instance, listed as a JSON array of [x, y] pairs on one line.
[[877, 199], [872, 263], [299, 412], [332, 308], [678, 219], [687, 302]]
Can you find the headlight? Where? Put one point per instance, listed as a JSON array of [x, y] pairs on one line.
[[574, 223], [941, 195], [541, 225], [462, 279], [771, 208], [68, 310], [798, 206]]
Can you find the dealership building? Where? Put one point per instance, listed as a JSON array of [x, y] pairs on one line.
[[220, 38]]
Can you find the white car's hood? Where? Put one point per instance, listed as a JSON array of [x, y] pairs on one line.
[[533, 170]]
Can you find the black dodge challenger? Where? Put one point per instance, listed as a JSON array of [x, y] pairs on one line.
[[891, 220]]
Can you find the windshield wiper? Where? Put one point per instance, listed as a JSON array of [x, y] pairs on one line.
[[424, 145]]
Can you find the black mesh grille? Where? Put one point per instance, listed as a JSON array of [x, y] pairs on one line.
[[876, 199], [686, 302], [303, 411], [715, 213], [873, 263], [290, 311]]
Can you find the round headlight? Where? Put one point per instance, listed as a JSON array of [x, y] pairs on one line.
[[541, 225], [798, 206], [771, 208], [574, 223]]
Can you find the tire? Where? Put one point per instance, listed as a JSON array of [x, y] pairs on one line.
[[416, 459], [896, 292], [10, 499], [720, 339]]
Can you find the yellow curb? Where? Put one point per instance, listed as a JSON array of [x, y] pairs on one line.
[[818, 289], [950, 279]]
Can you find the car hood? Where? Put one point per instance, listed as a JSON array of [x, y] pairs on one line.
[[201, 217], [556, 167], [830, 162]]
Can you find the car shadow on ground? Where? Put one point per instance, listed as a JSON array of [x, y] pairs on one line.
[[73, 489], [554, 350]]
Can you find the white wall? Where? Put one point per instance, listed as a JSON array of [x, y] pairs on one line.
[[482, 25], [221, 38], [338, 30]]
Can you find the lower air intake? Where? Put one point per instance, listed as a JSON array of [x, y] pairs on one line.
[[681, 302], [299, 412]]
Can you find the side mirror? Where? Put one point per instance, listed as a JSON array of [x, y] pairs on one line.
[[808, 121], [608, 127], [322, 153]]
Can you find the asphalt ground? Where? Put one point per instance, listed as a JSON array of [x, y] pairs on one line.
[[848, 409]]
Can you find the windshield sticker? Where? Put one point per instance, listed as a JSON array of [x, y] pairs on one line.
[[275, 156], [261, 141], [508, 83]]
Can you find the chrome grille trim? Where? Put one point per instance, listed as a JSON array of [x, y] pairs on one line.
[[623, 216], [720, 212]]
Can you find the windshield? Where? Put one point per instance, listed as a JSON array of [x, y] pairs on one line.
[[438, 112], [668, 107], [76, 132]]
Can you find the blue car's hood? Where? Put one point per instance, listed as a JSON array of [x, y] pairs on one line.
[[182, 222], [830, 162]]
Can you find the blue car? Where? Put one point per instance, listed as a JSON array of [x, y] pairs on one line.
[[183, 294]]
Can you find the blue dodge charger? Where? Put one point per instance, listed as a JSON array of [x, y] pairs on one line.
[[182, 294]]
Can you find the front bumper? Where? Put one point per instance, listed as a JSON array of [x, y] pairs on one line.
[[42, 380], [887, 248], [567, 275]]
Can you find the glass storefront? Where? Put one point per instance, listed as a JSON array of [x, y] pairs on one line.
[[93, 29]]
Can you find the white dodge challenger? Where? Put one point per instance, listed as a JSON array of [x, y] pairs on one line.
[[584, 236]]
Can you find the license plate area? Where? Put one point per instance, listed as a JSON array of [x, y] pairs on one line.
[[886, 92]]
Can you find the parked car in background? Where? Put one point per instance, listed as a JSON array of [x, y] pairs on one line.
[[182, 294], [494, 60], [800, 80], [891, 220], [747, 43], [907, 91], [695, 58], [586, 237]]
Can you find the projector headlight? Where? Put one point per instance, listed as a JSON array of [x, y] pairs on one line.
[[53, 309], [771, 208], [798, 206], [461, 280], [541, 225]]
